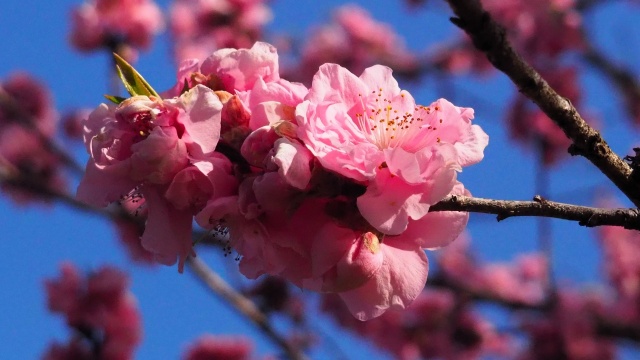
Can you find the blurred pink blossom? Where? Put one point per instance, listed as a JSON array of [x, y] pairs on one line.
[[27, 126], [356, 41], [99, 308], [199, 27], [209, 347], [112, 24]]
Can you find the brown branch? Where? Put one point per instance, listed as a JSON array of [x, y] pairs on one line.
[[622, 78], [242, 304], [539, 207], [584, 215], [489, 37], [213, 281]]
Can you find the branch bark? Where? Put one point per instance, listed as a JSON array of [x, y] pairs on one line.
[[490, 37], [584, 215], [242, 304]]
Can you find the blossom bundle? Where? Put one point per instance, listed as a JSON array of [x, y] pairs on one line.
[[27, 127], [115, 23], [328, 187], [101, 310]]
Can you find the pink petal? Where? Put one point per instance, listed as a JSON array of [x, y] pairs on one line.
[[102, 185], [189, 190], [159, 157], [167, 233], [202, 119], [294, 162], [240, 69], [395, 285], [389, 202]]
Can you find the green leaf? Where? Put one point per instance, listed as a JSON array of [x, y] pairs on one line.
[[115, 99], [132, 80]]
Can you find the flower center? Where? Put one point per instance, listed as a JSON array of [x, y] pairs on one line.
[[383, 124]]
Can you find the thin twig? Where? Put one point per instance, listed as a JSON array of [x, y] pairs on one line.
[[584, 215], [622, 78], [242, 304], [489, 37], [587, 216]]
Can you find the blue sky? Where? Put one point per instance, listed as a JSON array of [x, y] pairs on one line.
[[175, 308]]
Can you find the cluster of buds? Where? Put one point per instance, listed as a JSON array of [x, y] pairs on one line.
[[100, 310], [328, 187]]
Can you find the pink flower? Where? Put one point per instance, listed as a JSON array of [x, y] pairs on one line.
[[531, 127], [209, 347], [25, 153], [100, 309], [201, 27], [27, 122], [33, 101], [100, 23], [240, 69], [367, 129], [354, 40], [541, 28], [164, 149]]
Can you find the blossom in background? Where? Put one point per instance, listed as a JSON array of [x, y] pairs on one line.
[[438, 325], [101, 311], [540, 28], [209, 347], [523, 280], [569, 330], [115, 25], [532, 128], [199, 27], [27, 126], [356, 41]]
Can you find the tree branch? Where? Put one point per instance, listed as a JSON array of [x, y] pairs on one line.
[[241, 304], [584, 215], [245, 306], [489, 37], [622, 78]]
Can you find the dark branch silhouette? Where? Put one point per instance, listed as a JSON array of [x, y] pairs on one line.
[[490, 37]]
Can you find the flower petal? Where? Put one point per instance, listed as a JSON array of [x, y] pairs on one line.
[[395, 285]]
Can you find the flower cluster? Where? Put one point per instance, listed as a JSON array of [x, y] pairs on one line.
[[99, 308], [521, 281], [328, 187], [438, 325], [118, 25], [356, 41], [27, 126]]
